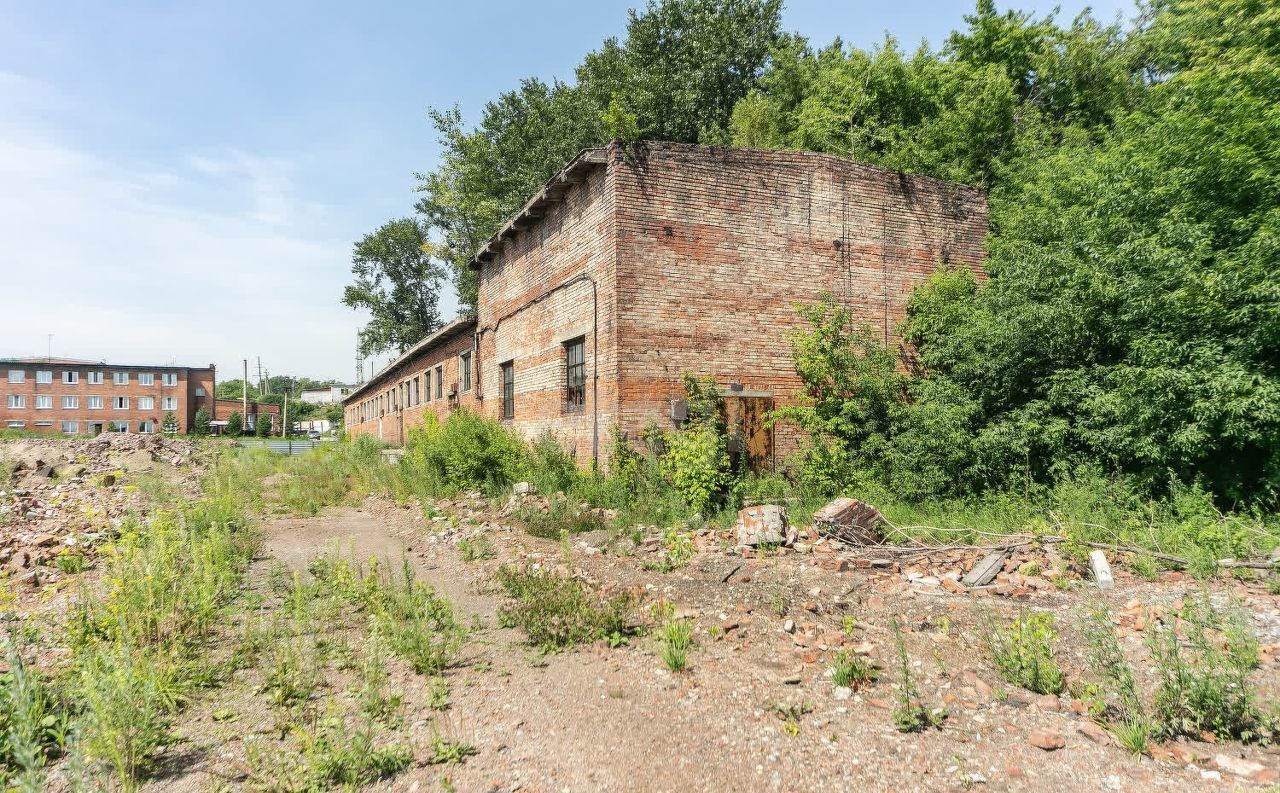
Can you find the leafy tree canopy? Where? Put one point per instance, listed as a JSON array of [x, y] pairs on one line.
[[398, 282]]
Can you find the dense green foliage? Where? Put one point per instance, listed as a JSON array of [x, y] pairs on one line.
[[398, 283], [1128, 330], [676, 75], [235, 424]]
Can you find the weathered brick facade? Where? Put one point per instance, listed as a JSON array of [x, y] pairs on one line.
[[667, 258], [95, 398]]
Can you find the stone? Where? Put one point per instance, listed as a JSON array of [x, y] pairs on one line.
[[789, 626], [1101, 570], [524, 488], [765, 524], [849, 520], [1095, 733], [1239, 766], [985, 571], [1048, 702], [1048, 740]]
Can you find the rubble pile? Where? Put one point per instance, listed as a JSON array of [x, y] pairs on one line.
[[59, 498]]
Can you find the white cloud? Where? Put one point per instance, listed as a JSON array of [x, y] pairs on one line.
[[208, 256]]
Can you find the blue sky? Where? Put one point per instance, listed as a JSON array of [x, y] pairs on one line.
[[184, 181]]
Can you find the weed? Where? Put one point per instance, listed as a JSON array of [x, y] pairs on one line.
[[676, 637], [849, 670], [791, 713], [910, 715], [1146, 567], [71, 562], [557, 611], [125, 710], [1203, 675], [1023, 653], [438, 693], [478, 547], [447, 752], [376, 703], [33, 724], [292, 676], [1105, 656], [1134, 735]]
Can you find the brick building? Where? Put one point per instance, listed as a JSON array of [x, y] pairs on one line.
[[223, 408], [635, 264], [63, 395]]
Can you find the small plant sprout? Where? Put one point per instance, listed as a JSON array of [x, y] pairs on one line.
[[675, 638], [910, 715], [849, 670]]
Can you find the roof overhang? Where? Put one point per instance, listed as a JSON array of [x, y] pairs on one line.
[[551, 193], [457, 326]]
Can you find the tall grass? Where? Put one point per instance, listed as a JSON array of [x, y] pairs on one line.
[[137, 639]]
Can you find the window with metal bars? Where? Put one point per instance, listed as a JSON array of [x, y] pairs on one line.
[[575, 374], [508, 390]]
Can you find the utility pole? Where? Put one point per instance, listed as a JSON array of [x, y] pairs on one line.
[[50, 351], [244, 384], [260, 389], [284, 425]]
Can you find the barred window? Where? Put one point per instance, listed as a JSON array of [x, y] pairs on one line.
[[440, 382], [575, 373], [464, 371], [508, 390]]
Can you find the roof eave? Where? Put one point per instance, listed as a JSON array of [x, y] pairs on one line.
[[534, 209]]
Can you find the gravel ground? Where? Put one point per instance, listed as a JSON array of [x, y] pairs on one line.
[[601, 719]]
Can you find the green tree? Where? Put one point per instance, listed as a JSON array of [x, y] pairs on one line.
[[201, 424], [235, 424], [1131, 320], [398, 283], [233, 389], [676, 75], [262, 424]]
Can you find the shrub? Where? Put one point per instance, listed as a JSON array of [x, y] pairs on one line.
[[262, 424], [1023, 653], [467, 451], [696, 463], [478, 547], [200, 424], [557, 611], [235, 424], [1203, 676], [169, 424]]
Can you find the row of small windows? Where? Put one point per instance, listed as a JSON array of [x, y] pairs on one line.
[[45, 402], [416, 390], [72, 377], [407, 393], [73, 427]]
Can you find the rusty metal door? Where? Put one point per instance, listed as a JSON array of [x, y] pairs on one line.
[[745, 419]]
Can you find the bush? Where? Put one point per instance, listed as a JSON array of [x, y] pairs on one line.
[[557, 611], [235, 424], [1023, 653], [697, 465], [467, 451], [262, 425]]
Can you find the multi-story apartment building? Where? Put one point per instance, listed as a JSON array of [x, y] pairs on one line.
[[637, 264], [75, 397]]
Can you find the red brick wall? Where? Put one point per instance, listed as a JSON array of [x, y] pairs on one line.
[[574, 238], [184, 392], [716, 246], [388, 412], [698, 257]]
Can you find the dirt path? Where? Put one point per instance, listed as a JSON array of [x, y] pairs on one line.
[[616, 719]]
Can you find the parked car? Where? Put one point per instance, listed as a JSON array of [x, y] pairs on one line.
[[314, 435]]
